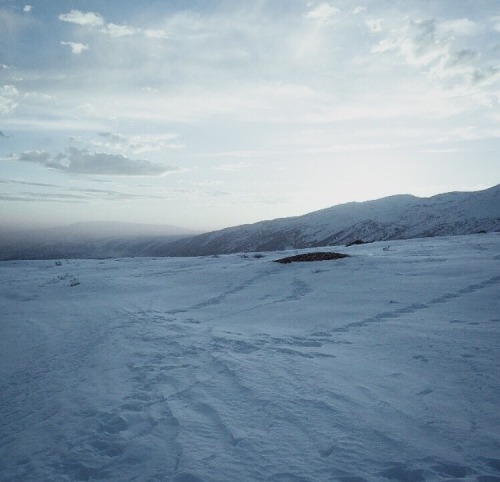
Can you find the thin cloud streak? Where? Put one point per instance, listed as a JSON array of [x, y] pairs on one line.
[[60, 193]]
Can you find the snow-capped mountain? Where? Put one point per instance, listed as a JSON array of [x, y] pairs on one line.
[[394, 217]]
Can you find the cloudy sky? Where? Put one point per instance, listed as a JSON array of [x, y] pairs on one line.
[[206, 114]]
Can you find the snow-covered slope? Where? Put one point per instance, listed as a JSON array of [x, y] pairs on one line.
[[395, 217], [378, 367]]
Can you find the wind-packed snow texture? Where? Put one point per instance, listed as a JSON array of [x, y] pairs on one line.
[[380, 366]]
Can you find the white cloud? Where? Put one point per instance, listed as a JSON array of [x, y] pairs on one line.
[[9, 91], [76, 47], [93, 19], [27, 8], [82, 18], [422, 46], [417, 42], [496, 23], [385, 45], [117, 138], [156, 33], [460, 26], [199, 79], [435, 48], [120, 30], [108, 141], [136, 144], [235, 166], [358, 10], [487, 76], [39, 157], [323, 13], [374, 24], [38, 96], [8, 94], [156, 142], [81, 161], [425, 42]]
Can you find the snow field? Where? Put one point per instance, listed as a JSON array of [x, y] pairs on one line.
[[382, 366]]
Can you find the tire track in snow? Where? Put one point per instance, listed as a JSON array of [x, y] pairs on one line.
[[156, 355], [211, 397], [416, 307], [181, 386], [217, 300], [35, 397], [299, 289], [134, 428], [309, 345]]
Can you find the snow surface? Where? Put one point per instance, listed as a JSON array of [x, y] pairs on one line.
[[381, 366]]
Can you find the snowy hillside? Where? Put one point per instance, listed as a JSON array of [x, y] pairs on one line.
[[395, 217], [382, 366]]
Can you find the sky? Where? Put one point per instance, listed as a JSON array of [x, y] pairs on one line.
[[205, 114]]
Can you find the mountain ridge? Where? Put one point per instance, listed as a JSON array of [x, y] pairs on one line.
[[402, 216]]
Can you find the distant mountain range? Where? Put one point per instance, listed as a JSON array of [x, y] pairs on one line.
[[89, 240], [394, 217]]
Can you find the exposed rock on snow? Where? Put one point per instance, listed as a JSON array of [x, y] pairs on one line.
[[318, 256]]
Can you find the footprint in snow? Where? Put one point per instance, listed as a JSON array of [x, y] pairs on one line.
[[420, 358], [452, 470], [403, 474], [112, 424]]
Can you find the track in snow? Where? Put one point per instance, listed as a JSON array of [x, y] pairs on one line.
[[380, 368]]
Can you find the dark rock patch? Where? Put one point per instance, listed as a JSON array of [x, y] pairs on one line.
[[312, 257], [358, 241]]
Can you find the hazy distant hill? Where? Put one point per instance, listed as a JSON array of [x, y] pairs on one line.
[[89, 240], [394, 217]]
